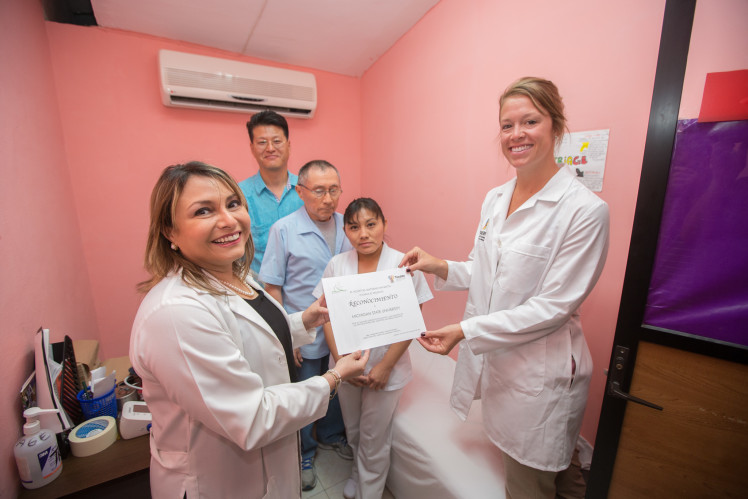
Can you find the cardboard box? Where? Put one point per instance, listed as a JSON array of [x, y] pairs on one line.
[[87, 354], [119, 364]]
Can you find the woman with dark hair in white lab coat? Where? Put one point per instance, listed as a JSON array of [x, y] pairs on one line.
[[215, 352], [369, 401], [538, 251]]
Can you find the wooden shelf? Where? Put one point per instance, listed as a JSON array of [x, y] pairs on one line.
[[122, 458]]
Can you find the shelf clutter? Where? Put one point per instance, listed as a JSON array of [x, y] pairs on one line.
[[74, 403]]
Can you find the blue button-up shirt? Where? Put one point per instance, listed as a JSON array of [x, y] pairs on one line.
[[265, 210], [295, 258]]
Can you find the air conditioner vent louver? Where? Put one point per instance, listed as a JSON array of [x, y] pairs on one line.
[[237, 106], [201, 82], [236, 84]]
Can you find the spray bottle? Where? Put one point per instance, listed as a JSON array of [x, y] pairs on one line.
[[37, 456]]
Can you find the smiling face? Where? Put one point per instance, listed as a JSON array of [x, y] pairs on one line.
[[365, 231], [270, 147], [527, 138], [211, 227]]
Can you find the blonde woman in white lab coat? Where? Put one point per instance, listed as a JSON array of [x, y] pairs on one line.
[[215, 352], [538, 251]]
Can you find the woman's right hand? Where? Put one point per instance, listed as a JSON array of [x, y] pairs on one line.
[[443, 340], [316, 314], [417, 259], [352, 365]]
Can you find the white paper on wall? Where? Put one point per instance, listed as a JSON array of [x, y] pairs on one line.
[[583, 153]]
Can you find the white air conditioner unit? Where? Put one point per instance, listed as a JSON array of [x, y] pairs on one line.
[[201, 82]]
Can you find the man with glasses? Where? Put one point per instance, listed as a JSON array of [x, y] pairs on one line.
[[298, 249], [271, 193]]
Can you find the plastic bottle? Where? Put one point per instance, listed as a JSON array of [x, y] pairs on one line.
[[37, 456]]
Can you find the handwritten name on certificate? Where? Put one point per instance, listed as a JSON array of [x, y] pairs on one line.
[[373, 309]]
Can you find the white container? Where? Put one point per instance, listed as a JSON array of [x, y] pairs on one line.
[[37, 456], [135, 420]]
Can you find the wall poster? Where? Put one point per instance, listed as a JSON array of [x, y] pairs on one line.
[[583, 153]]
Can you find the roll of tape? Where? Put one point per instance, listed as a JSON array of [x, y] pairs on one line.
[[93, 436]]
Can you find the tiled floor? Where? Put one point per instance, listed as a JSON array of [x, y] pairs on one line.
[[332, 473]]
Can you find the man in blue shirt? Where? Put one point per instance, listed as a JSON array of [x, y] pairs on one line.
[[298, 249], [271, 193]]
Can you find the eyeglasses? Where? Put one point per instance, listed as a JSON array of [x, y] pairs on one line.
[[334, 192], [263, 144]]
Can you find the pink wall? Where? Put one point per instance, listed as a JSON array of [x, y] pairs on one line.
[[119, 137], [430, 149], [44, 276], [719, 42], [417, 132]]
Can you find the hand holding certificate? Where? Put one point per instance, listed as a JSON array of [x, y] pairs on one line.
[[373, 309]]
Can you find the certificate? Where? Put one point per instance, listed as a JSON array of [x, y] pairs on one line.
[[373, 309]]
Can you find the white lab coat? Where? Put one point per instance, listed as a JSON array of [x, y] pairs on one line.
[[225, 415], [368, 413], [527, 275]]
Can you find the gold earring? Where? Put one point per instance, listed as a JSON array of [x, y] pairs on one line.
[[174, 247]]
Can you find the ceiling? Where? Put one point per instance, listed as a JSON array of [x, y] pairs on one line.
[[340, 36]]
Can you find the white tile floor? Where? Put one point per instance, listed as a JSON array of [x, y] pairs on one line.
[[332, 473]]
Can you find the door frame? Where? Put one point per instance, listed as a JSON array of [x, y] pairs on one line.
[[666, 96]]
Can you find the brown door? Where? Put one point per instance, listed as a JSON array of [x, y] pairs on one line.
[[694, 447], [674, 421]]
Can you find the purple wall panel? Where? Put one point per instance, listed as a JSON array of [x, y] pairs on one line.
[[700, 279]]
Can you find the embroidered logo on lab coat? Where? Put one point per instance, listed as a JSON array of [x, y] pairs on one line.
[[482, 231]]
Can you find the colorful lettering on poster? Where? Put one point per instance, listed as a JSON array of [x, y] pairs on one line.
[[571, 160]]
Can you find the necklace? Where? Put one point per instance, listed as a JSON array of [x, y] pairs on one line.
[[250, 294]]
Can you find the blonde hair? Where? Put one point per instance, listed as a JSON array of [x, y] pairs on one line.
[[544, 96], [160, 259]]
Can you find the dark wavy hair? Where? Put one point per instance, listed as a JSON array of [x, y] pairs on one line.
[[160, 259]]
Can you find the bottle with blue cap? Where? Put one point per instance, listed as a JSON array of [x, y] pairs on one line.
[[37, 455]]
